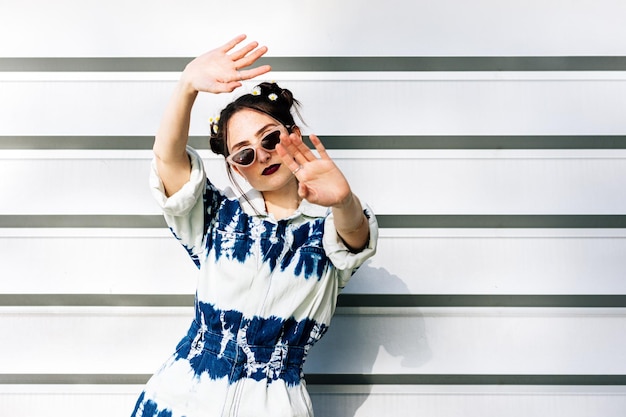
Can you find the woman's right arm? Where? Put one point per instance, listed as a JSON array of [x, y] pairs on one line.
[[170, 142], [216, 71]]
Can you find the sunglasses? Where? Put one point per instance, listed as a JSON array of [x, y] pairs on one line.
[[246, 156]]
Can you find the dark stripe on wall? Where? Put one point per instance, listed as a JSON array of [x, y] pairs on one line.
[[337, 64], [345, 300], [474, 142], [89, 142], [94, 64], [333, 142], [503, 221], [339, 379], [481, 63], [96, 300], [82, 221], [433, 379], [385, 221], [73, 379], [478, 300]]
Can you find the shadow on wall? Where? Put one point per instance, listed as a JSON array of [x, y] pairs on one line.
[[367, 342]]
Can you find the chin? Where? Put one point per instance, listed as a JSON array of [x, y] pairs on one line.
[[274, 182]]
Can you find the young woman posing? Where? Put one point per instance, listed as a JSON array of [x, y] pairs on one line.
[[271, 261]]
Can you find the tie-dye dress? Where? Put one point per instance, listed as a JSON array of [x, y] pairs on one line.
[[266, 293]]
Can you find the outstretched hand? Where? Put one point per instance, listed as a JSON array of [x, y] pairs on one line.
[[320, 180], [221, 71]]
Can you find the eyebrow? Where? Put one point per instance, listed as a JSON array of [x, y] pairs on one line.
[[246, 142]]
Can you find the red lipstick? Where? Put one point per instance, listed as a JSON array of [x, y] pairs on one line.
[[271, 169]]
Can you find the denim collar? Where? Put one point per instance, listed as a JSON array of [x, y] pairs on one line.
[[255, 200]]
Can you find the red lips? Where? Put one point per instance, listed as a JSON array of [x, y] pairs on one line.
[[271, 169]]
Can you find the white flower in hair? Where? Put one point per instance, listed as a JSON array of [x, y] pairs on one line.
[[272, 97], [256, 91], [213, 124]]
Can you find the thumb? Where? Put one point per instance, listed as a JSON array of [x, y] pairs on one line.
[[303, 191], [229, 87]]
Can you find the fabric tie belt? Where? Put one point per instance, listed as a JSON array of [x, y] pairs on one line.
[[280, 361]]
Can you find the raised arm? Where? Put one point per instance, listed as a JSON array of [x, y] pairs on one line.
[[217, 71], [321, 182]]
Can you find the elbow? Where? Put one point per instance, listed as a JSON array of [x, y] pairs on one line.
[[166, 155]]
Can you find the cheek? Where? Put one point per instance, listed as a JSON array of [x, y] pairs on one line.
[[245, 172], [237, 170]]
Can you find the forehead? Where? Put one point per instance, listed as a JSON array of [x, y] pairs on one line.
[[247, 125]]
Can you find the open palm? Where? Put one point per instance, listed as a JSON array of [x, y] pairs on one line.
[[320, 180], [220, 70]]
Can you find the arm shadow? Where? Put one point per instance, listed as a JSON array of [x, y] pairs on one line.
[[366, 341]]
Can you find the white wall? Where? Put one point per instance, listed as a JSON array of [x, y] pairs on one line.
[[519, 312]]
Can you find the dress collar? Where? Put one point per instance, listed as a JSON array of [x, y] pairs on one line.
[[255, 205]]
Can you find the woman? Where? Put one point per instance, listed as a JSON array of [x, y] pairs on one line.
[[271, 261]]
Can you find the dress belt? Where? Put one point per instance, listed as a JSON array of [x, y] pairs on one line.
[[272, 358]]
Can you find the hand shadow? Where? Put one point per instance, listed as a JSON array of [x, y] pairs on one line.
[[366, 341]]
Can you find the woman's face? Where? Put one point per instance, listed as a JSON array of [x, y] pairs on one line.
[[247, 128]]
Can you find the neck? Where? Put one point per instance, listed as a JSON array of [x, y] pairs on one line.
[[282, 204]]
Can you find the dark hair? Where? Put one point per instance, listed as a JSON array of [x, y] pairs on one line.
[[266, 98]]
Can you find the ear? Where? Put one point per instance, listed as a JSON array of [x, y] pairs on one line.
[[295, 129]]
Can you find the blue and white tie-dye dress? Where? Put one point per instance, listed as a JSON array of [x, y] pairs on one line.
[[266, 293]]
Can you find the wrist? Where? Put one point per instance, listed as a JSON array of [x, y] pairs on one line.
[[349, 216], [185, 86], [347, 203], [355, 228]]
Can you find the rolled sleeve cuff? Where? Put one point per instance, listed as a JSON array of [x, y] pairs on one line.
[[340, 255], [183, 201]]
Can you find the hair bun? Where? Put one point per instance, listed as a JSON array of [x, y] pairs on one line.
[[273, 93]]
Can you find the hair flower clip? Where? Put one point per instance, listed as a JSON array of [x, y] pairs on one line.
[[213, 124], [272, 97], [256, 91]]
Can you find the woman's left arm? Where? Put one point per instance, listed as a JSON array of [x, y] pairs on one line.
[[322, 182], [351, 224]]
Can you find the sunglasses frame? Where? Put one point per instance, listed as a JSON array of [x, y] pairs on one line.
[[254, 148]]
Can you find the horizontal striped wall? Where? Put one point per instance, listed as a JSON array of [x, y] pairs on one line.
[[493, 155]]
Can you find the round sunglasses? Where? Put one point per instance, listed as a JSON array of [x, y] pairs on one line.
[[247, 155]]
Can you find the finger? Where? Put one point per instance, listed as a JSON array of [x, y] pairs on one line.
[[232, 43], [247, 60], [287, 145], [290, 145], [240, 53], [303, 149], [287, 158], [303, 191], [319, 146], [227, 87], [254, 72]]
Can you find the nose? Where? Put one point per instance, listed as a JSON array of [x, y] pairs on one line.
[[262, 155]]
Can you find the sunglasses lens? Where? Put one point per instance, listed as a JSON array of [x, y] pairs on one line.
[[244, 157], [270, 141]]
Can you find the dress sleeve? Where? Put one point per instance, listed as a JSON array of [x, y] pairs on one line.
[[187, 212], [345, 261]]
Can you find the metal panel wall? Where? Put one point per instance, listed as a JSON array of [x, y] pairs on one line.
[[489, 137]]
